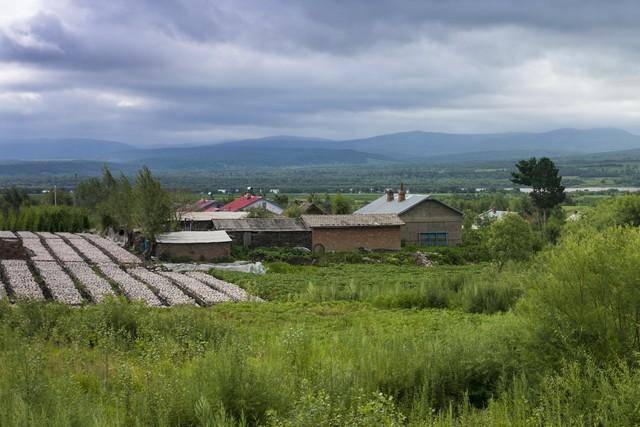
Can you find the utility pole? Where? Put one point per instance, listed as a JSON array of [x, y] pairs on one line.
[[55, 195]]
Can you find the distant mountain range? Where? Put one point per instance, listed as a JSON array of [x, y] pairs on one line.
[[282, 151]]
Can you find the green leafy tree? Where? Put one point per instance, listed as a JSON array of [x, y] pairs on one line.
[[623, 210], [15, 197], [281, 199], [542, 176], [58, 197], [510, 239], [260, 213], [152, 211], [293, 211], [89, 193], [341, 206]]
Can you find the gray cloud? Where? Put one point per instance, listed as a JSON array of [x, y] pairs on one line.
[[183, 71]]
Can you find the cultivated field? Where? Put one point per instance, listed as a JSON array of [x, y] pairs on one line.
[[85, 268]]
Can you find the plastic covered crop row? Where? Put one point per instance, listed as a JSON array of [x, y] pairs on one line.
[[96, 286], [63, 251], [59, 283], [20, 279], [201, 291], [132, 288], [120, 254], [163, 286], [40, 253]]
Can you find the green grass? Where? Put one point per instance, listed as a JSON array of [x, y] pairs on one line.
[[552, 342], [120, 364], [473, 288]]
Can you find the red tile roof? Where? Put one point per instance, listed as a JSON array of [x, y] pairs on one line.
[[240, 203]]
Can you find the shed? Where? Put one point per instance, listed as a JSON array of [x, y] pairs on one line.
[[349, 232], [310, 208], [194, 245], [427, 221], [266, 232], [202, 221]]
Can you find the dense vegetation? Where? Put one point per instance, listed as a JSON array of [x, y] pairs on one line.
[[550, 339]]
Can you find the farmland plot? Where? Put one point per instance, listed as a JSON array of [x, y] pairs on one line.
[[27, 235], [97, 287], [58, 282], [91, 252], [40, 253], [201, 291], [132, 288], [66, 235], [47, 235], [167, 290], [72, 268], [20, 279], [63, 251], [234, 291], [121, 255]]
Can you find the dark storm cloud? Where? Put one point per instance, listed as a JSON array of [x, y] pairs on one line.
[[174, 71]]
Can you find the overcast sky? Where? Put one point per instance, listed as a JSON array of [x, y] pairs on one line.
[[160, 71]]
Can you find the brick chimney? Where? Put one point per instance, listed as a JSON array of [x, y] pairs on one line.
[[389, 195], [402, 195]]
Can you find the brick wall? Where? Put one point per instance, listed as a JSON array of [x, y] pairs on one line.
[[195, 251], [348, 239], [271, 239]]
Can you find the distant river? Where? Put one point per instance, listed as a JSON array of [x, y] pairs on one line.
[[592, 189]]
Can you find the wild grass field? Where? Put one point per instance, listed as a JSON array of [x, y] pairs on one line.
[[552, 341]]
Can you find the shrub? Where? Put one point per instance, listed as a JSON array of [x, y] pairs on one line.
[[511, 238], [584, 297]]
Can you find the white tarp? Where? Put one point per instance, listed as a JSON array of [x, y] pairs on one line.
[[240, 266]]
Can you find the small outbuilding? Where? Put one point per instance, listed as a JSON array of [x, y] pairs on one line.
[[202, 221], [310, 208], [337, 233], [194, 245], [266, 232]]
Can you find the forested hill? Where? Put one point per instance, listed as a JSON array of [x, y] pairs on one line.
[[282, 151]]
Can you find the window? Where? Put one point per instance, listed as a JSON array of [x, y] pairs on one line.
[[439, 238]]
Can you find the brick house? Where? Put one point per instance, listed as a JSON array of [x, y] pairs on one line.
[[194, 245], [427, 221], [337, 233]]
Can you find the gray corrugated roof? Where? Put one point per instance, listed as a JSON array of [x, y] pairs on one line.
[[259, 224], [382, 206], [208, 216], [185, 237], [365, 220]]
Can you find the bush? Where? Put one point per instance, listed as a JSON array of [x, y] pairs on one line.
[[584, 297], [511, 239]]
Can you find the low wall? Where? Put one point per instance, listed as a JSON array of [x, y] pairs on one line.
[[194, 251]]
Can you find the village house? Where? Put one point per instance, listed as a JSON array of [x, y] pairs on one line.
[[337, 233], [249, 201], [427, 221], [266, 232], [194, 245], [202, 221]]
